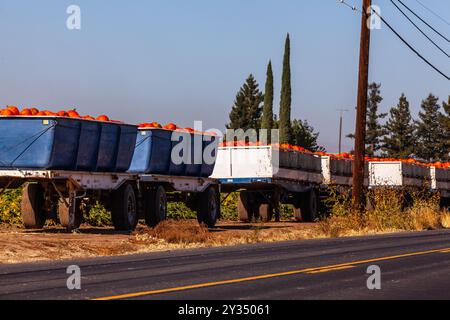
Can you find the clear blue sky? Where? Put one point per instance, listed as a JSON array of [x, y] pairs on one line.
[[184, 60]]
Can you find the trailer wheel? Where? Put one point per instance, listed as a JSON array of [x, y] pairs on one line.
[[265, 212], [124, 208], [33, 214], [70, 216], [245, 207], [297, 214], [209, 207], [155, 206], [309, 206]]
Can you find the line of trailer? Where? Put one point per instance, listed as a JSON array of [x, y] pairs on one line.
[[66, 164], [266, 177]]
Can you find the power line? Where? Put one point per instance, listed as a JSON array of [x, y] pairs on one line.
[[434, 13], [354, 7], [405, 42], [420, 30], [411, 47], [421, 19]]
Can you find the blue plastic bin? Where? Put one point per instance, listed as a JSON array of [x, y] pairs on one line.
[[108, 147], [194, 167], [39, 143], [127, 143], [152, 152], [208, 169], [88, 146], [184, 139]]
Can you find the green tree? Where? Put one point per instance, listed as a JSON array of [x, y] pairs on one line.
[[286, 95], [374, 130], [399, 140], [431, 139], [268, 117], [303, 135], [445, 125], [247, 110]]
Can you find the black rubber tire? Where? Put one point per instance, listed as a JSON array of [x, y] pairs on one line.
[[124, 209], [32, 206], [298, 214], [309, 206], [245, 207], [209, 207], [155, 206], [64, 214], [266, 212]]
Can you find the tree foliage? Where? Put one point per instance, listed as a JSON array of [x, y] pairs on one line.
[[375, 131], [303, 135], [247, 110], [445, 125], [399, 141], [286, 95], [429, 131]]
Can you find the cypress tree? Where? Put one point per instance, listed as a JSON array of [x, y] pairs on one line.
[[286, 95], [399, 140], [246, 112], [429, 130], [268, 118]]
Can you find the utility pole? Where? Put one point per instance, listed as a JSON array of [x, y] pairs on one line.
[[363, 84], [340, 127]]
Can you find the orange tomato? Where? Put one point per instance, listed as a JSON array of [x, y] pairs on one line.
[[88, 118], [26, 112], [73, 114], [6, 112], [34, 111], [62, 113], [170, 126], [14, 110], [41, 113], [103, 118]]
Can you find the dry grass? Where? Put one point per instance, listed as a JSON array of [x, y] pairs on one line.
[[390, 210], [179, 232], [445, 219]]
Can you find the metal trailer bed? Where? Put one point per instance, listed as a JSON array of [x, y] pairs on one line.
[[255, 173], [302, 180], [408, 176], [129, 197]]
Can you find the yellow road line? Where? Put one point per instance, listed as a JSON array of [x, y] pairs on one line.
[[269, 276], [330, 269], [445, 251]]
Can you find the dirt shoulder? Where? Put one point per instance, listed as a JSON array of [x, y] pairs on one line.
[[20, 246]]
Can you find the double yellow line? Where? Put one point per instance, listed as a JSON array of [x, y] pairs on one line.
[[323, 269]]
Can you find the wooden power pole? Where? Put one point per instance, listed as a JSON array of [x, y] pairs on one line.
[[363, 84]]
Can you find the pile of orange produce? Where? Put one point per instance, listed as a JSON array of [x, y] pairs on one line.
[[12, 111], [341, 156], [170, 127]]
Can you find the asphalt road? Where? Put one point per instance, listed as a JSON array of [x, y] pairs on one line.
[[413, 266]]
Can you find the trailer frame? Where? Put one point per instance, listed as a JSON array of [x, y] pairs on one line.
[[129, 196]]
